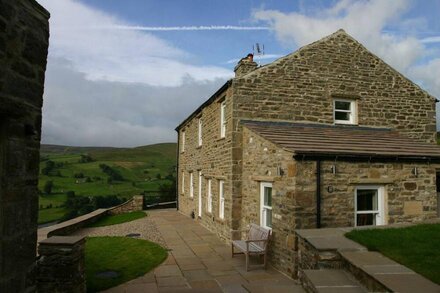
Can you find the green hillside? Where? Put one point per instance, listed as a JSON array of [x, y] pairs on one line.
[[101, 171]]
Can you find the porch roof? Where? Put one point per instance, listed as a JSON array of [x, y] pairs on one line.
[[321, 140]]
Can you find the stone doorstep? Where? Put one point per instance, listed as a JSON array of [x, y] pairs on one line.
[[329, 280], [388, 273]]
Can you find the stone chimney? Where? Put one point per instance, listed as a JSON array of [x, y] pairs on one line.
[[245, 65]]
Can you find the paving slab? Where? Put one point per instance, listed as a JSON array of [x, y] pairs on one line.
[[199, 261]]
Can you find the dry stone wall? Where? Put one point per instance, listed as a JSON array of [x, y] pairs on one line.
[[24, 33]]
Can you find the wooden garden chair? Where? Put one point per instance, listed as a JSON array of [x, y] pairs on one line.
[[256, 243]]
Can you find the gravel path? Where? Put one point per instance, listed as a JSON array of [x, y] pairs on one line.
[[145, 226]]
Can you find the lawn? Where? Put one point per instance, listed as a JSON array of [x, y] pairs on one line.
[[118, 219], [415, 247], [129, 258]]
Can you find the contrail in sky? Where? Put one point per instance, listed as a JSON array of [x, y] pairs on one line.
[[190, 28]]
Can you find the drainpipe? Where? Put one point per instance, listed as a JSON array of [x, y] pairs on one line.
[[318, 193]]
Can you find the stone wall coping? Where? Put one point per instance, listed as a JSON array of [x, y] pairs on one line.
[[330, 239], [62, 240]]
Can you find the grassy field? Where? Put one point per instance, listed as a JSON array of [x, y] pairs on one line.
[[415, 247], [118, 219], [143, 168], [129, 258]]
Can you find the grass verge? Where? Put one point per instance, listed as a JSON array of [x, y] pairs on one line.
[[129, 258], [118, 219], [415, 247]]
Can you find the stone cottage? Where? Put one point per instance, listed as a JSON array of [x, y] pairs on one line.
[[327, 136]]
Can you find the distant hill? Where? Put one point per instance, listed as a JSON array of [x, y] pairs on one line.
[[143, 169]]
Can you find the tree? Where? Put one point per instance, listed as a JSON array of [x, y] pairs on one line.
[[158, 176], [48, 187], [70, 194]]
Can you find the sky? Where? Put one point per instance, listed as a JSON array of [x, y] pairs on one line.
[[126, 73]]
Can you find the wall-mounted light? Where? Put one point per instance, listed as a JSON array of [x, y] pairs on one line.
[[415, 171], [280, 171]]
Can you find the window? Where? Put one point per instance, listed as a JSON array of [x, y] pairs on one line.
[[266, 205], [209, 206], [191, 184], [200, 132], [183, 182], [221, 207], [223, 119], [369, 206], [183, 141], [345, 111], [200, 194]]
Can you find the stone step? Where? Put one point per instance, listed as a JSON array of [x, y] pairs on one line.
[[381, 274], [330, 281]]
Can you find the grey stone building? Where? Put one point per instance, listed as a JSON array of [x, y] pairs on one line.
[[327, 136], [24, 36]]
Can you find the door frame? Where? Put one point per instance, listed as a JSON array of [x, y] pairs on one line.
[[263, 185], [200, 194], [380, 216]]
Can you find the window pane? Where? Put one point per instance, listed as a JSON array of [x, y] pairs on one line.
[[268, 196], [342, 116], [340, 105], [268, 218], [365, 219], [367, 200]]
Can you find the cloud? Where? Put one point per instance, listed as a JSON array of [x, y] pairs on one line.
[[125, 55], [430, 40], [427, 75], [365, 20], [83, 112]]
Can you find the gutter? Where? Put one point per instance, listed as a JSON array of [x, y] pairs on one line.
[[318, 193], [177, 170]]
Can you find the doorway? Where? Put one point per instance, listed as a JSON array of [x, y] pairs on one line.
[[200, 194]]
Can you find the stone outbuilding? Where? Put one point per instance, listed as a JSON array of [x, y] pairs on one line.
[[328, 136]]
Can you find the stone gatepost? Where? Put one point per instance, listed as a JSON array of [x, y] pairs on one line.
[[61, 265]]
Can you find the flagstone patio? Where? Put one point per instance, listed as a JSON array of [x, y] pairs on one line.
[[200, 262]]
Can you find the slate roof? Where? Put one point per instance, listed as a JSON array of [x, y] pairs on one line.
[[342, 141]]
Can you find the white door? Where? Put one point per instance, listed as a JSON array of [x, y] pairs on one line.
[[200, 194], [369, 206]]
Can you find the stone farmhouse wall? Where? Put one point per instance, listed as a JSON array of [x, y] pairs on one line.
[[301, 86], [213, 159], [24, 33]]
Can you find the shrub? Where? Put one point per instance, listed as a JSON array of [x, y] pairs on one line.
[[78, 175], [48, 187], [70, 194]]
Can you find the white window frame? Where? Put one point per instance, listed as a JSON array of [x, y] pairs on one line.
[[352, 112], [200, 193], [221, 199], [263, 208], [183, 182], [183, 141], [223, 119], [191, 184], [200, 133], [380, 212], [209, 191]]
